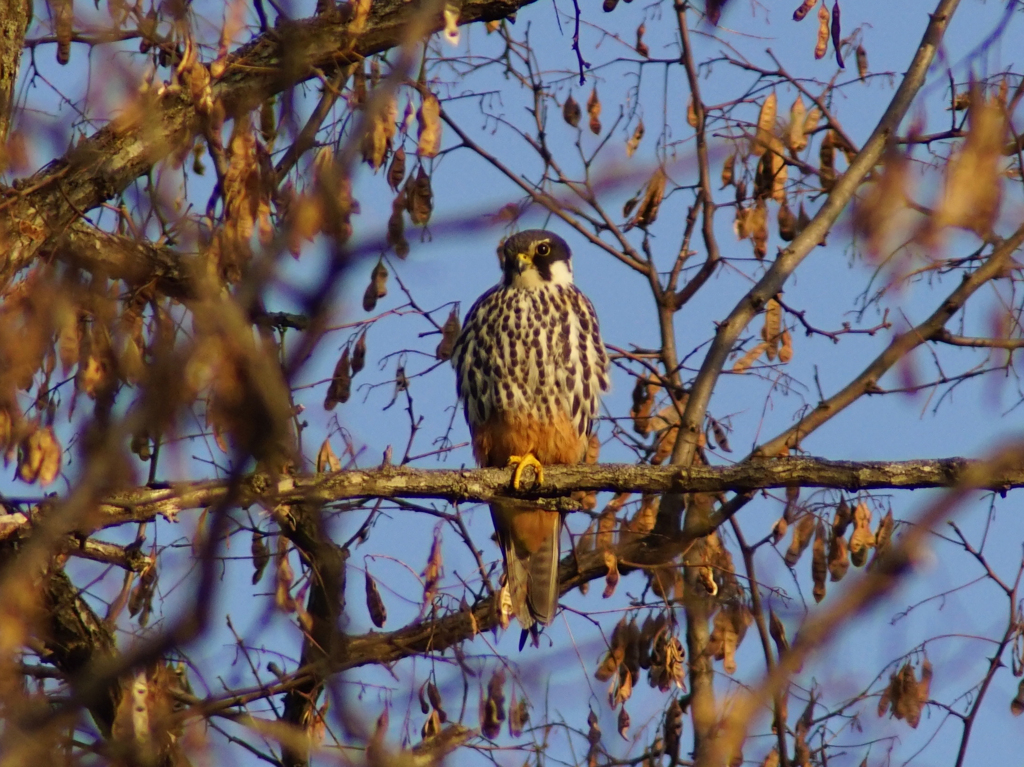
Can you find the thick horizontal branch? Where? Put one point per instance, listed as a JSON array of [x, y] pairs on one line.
[[37, 211], [484, 485]]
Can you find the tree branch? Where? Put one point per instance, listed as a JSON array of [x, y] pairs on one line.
[[485, 485]]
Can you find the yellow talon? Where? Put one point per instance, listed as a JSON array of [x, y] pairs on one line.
[[521, 462]]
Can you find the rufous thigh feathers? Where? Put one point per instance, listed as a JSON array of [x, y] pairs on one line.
[[554, 441]]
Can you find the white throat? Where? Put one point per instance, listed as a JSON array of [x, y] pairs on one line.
[[561, 274]]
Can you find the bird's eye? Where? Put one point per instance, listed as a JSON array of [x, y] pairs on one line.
[[543, 249]]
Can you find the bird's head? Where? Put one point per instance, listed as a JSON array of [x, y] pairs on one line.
[[535, 258]]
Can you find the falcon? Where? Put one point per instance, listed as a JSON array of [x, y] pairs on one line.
[[530, 367]]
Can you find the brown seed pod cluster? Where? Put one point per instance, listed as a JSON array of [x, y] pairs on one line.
[[906, 695]]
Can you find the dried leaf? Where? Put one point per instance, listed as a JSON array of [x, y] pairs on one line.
[[571, 112], [772, 330], [802, 532], [691, 112], [786, 347], [429, 119], [594, 111], [673, 731], [821, 48], [862, 62], [374, 604]]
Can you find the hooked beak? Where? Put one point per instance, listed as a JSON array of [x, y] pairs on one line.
[[522, 262]]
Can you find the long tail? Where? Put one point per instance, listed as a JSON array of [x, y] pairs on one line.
[[529, 540]]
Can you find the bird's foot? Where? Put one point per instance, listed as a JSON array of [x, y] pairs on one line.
[[521, 462]]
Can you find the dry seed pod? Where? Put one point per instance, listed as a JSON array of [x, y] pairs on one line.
[[378, 287], [691, 112], [648, 210], [758, 224], [340, 388], [792, 502], [811, 121], [518, 715], [396, 171], [785, 347], [641, 46], [396, 227], [740, 224], [772, 326], [787, 222], [728, 170], [571, 112], [359, 354], [419, 198], [802, 219], [594, 111], [748, 359], [429, 135], [883, 537], [260, 555], [616, 653], [765, 124], [493, 709], [821, 48], [972, 192], [39, 457], [803, 10], [449, 334], [643, 402], [779, 530], [673, 731], [842, 518], [827, 160], [838, 557], [778, 632], [837, 35], [1017, 704], [819, 566], [634, 140], [862, 62], [374, 604], [795, 137], [861, 539], [802, 532]]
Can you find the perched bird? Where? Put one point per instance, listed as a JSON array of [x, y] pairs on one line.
[[530, 367]]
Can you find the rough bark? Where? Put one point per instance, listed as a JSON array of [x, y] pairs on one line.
[[40, 209]]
